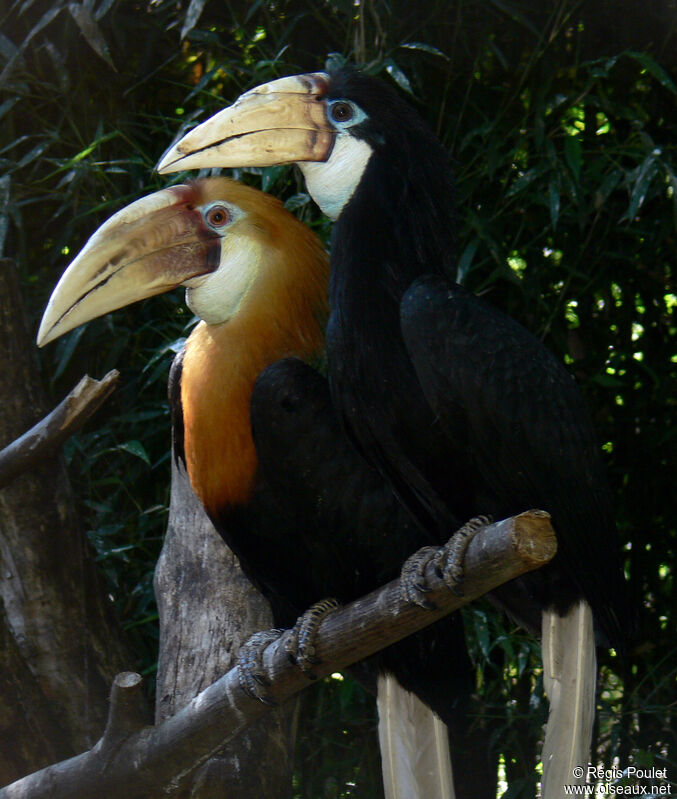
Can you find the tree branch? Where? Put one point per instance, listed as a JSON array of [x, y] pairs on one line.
[[146, 761], [49, 433]]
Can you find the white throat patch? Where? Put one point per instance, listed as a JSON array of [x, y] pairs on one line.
[[218, 296], [332, 183]]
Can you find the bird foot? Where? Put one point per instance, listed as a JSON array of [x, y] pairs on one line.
[[413, 584], [449, 559], [251, 675], [300, 646]]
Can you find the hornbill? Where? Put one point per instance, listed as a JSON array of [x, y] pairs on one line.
[[458, 406], [262, 444]]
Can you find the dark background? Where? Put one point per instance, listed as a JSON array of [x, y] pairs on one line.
[[562, 121]]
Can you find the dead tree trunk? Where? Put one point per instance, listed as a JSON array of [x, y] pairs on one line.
[[60, 647], [207, 609]]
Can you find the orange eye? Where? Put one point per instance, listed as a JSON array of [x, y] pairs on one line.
[[217, 216]]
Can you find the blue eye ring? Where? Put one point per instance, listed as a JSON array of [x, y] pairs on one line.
[[344, 114]]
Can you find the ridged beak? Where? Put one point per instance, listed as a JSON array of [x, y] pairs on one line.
[[133, 256], [280, 122]]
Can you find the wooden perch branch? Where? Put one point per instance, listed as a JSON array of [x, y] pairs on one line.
[[49, 433], [142, 762]]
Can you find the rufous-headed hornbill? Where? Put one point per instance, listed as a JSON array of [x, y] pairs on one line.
[[262, 444], [462, 409]]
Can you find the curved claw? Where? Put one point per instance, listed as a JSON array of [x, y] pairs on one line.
[[251, 675], [449, 559], [413, 584], [300, 646]]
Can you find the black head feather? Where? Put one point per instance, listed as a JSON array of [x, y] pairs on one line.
[[406, 191]]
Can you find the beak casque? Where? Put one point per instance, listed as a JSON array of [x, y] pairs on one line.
[[280, 122], [131, 257]]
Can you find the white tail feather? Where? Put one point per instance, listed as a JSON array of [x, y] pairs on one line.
[[569, 677], [414, 746]]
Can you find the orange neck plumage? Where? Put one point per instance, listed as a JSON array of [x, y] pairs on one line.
[[283, 316]]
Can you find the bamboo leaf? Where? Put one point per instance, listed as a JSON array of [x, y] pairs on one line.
[[33, 154], [654, 69], [297, 201], [525, 179], [609, 183], [4, 210], [44, 20], [512, 12], [573, 155], [252, 10], [103, 9], [91, 31], [466, 259], [554, 202], [645, 175], [193, 14], [66, 348], [398, 76], [425, 48], [134, 448]]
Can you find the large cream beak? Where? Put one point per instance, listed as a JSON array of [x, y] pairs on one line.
[[280, 122], [132, 256]]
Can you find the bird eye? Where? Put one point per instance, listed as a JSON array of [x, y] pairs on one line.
[[217, 216], [342, 112]]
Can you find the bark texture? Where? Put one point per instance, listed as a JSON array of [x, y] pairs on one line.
[[60, 645], [207, 610]]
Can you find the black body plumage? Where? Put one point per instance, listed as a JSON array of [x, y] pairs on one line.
[[461, 408], [323, 522]]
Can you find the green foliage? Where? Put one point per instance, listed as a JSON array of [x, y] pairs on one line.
[[563, 129]]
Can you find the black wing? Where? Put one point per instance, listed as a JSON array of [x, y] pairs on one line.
[[346, 520], [527, 436], [343, 531], [175, 407]]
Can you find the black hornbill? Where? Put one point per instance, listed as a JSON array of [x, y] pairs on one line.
[[457, 405], [262, 444]]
